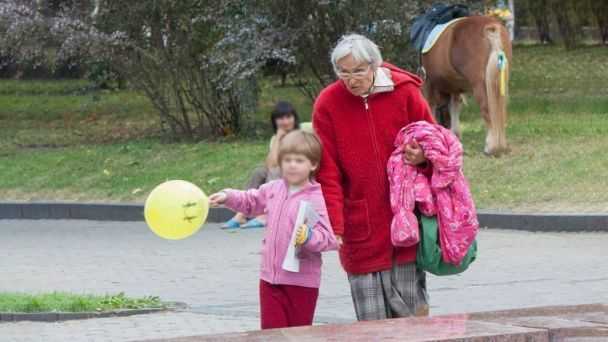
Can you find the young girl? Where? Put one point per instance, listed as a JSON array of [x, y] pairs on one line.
[[283, 119], [288, 299]]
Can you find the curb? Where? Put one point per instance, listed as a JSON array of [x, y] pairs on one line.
[[545, 222], [551, 323], [86, 211]]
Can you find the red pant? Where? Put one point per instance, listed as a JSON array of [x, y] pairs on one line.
[[286, 305]]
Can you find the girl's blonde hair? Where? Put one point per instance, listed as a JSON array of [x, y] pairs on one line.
[[301, 142]]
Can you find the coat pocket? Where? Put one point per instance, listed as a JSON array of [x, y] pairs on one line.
[[356, 221]]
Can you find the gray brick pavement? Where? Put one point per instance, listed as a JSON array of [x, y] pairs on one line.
[[215, 272]]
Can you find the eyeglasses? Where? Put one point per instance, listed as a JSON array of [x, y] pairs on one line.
[[357, 74]]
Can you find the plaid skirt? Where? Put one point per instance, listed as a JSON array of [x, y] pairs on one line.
[[398, 292]]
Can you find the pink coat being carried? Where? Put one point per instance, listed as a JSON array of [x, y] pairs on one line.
[[444, 193]]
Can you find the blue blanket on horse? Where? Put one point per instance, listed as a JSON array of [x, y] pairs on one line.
[[438, 14]]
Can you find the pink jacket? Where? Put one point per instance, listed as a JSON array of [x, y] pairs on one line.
[[281, 208], [446, 194]]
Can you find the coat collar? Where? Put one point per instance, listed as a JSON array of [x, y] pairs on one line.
[[382, 81]]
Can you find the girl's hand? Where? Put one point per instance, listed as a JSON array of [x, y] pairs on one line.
[[217, 199], [302, 235]]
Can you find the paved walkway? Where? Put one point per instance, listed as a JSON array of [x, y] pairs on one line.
[[215, 272]]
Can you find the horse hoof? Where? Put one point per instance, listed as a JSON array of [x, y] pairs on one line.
[[496, 152]]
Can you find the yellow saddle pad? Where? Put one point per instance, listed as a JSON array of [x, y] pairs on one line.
[[436, 33]]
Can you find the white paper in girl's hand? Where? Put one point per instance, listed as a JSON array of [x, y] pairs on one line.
[[306, 214]]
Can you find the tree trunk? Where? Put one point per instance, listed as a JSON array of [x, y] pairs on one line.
[[565, 22], [600, 11], [511, 23], [156, 28], [539, 10]]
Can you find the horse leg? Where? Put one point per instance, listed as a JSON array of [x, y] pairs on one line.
[[455, 108], [429, 95], [442, 110], [436, 103], [479, 91]]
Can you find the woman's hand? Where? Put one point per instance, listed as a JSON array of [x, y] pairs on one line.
[[281, 133], [413, 153], [217, 199]]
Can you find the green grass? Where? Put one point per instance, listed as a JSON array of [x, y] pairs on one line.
[[126, 172], [557, 163], [55, 116], [48, 108], [67, 302], [57, 141], [44, 87], [549, 80]]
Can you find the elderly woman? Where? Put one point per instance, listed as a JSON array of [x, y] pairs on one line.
[[357, 118]]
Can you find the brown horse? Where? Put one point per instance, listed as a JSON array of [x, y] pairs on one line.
[[466, 58]]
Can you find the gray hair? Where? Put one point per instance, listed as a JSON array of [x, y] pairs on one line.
[[360, 47]]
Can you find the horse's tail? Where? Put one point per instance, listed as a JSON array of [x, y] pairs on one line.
[[497, 84]]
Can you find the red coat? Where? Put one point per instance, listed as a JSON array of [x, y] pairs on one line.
[[357, 140]]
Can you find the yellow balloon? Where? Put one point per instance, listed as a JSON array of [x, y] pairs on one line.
[[176, 209]]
